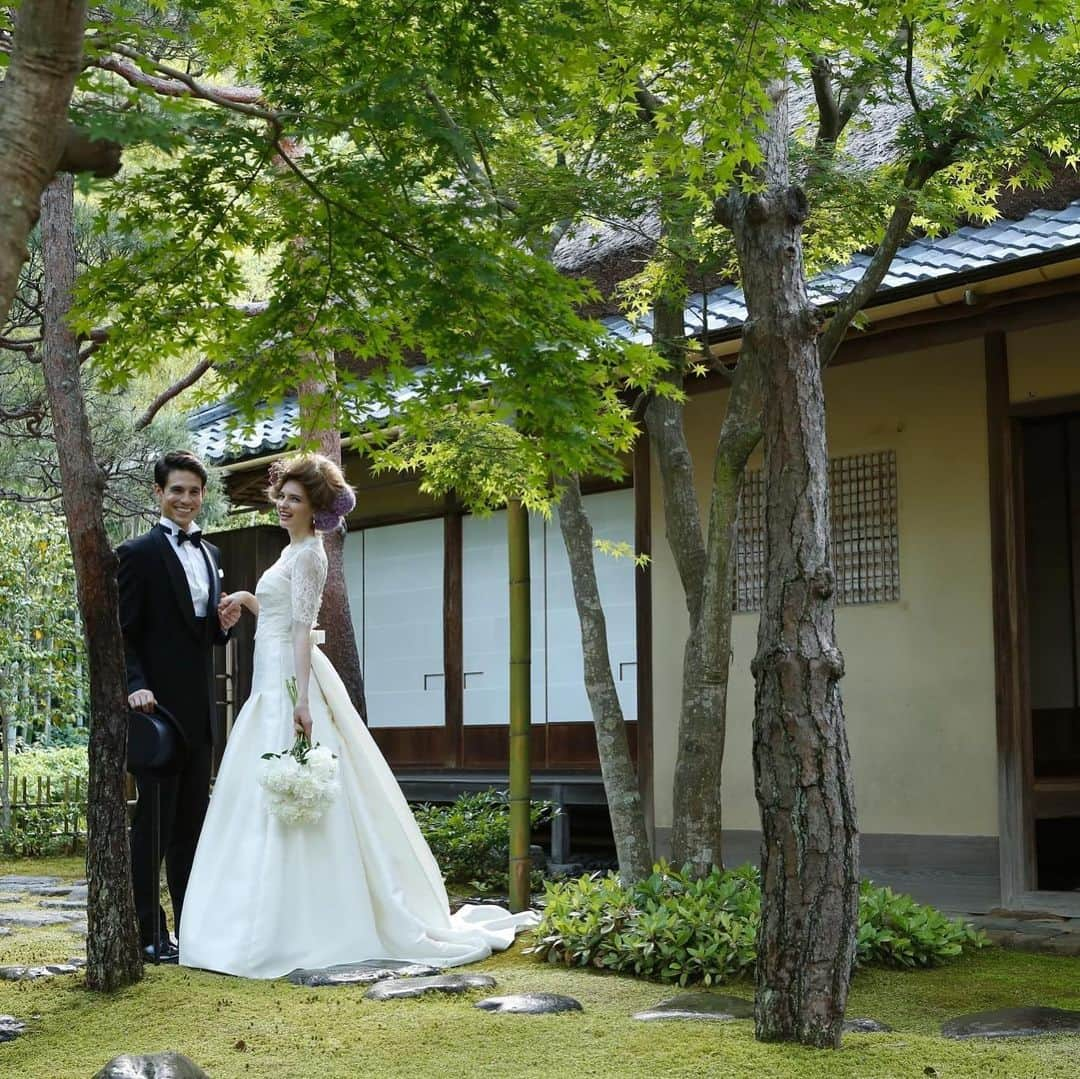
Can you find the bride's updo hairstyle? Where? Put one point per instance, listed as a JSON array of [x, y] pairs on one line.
[[330, 496]]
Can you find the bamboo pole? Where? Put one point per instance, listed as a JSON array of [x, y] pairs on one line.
[[517, 535]]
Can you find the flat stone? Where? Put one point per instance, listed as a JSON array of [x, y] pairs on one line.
[[1013, 1023], [33, 974], [530, 1004], [366, 973], [152, 1066], [50, 891], [35, 919], [866, 1026], [78, 928], [12, 899], [18, 883], [1036, 927], [1066, 944], [10, 1028], [700, 1006], [63, 904], [406, 988]]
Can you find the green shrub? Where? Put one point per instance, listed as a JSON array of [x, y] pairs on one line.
[[40, 830], [44, 829], [895, 931], [471, 837], [675, 928]]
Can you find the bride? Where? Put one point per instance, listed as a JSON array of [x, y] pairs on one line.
[[266, 897]]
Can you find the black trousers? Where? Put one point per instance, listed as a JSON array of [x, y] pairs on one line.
[[184, 799]]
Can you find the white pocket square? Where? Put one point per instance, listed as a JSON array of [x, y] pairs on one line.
[[221, 574]]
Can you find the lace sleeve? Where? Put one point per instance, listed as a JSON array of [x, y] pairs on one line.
[[308, 578]]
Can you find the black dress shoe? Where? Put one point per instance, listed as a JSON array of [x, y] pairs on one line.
[[169, 952]]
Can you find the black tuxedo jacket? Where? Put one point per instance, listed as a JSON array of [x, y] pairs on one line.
[[166, 648]]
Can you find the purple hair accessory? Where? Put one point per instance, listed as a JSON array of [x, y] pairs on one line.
[[331, 518]]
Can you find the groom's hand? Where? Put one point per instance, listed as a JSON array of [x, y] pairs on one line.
[[142, 700]]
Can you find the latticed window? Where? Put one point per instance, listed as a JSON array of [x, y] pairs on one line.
[[865, 538]]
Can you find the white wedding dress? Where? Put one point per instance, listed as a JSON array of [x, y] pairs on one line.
[[265, 897]]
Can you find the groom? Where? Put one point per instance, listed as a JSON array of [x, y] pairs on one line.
[[169, 590]]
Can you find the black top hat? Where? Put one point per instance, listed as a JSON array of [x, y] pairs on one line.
[[156, 743]]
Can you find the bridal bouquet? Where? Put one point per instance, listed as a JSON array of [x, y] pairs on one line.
[[302, 781]]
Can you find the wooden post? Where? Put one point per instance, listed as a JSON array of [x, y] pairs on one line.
[[517, 535]]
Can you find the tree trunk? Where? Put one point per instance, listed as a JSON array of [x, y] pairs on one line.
[[519, 599], [809, 846], [112, 948], [616, 764], [705, 569], [46, 57], [335, 615]]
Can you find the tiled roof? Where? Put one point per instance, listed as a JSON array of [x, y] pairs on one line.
[[923, 265]]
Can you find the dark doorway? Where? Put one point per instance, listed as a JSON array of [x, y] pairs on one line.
[[1051, 487]]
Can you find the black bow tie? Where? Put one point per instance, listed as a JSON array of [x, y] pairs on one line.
[[189, 537]]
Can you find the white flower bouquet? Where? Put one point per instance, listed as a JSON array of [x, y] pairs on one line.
[[302, 781]]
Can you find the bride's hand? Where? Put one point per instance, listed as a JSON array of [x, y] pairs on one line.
[[229, 610], [302, 720]]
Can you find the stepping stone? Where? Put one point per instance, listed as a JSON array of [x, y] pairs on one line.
[[530, 1004], [10, 1028], [4, 931], [50, 891], [366, 973], [866, 1026], [35, 919], [19, 883], [152, 1066], [700, 1006], [34, 974], [78, 928], [12, 899], [406, 988], [1013, 1023], [63, 904]]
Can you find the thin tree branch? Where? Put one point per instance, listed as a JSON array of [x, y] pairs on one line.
[[172, 391], [172, 82], [479, 178]]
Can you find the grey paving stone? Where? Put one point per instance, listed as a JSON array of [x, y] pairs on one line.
[[406, 988], [714, 1006], [37, 973], [17, 882], [530, 1004], [1013, 1023], [365, 973], [152, 1066], [10, 1028], [63, 904], [35, 919], [866, 1026]]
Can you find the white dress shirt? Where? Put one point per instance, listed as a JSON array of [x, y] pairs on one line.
[[194, 563]]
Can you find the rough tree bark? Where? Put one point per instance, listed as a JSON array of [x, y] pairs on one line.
[[703, 558], [616, 764], [335, 615], [809, 846], [112, 948], [46, 57]]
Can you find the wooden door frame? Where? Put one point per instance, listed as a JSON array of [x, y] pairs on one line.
[[1016, 772], [1016, 840]]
